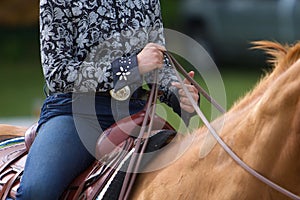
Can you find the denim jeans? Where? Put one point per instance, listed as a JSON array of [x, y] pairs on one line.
[[69, 126]]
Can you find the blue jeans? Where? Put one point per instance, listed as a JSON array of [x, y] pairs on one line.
[[67, 134]]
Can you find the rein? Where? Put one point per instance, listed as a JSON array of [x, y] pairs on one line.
[[246, 167], [141, 142]]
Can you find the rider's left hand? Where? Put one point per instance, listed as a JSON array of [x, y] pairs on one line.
[[184, 101]]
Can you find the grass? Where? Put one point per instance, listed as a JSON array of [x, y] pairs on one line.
[[21, 90], [238, 83]]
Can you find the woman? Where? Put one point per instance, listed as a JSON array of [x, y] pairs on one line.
[[99, 50]]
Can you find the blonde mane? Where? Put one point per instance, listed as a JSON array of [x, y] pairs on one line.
[[281, 57]]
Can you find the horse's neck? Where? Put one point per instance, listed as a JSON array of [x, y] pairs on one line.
[[272, 129], [265, 134]]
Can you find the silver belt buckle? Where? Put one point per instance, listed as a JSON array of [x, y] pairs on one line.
[[120, 95]]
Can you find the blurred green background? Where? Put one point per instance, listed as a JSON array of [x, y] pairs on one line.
[[21, 79]]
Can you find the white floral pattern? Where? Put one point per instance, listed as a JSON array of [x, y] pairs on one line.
[[81, 38], [123, 73]]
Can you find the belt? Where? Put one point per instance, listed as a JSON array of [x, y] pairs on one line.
[[139, 94]]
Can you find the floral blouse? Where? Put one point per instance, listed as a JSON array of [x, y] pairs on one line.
[[92, 45]]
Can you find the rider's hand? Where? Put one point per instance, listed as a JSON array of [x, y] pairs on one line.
[[150, 58], [185, 103]]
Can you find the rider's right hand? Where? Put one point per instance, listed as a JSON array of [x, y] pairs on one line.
[[150, 58]]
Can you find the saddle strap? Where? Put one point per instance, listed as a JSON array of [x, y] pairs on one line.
[[99, 176], [104, 180], [8, 169], [9, 185], [15, 157]]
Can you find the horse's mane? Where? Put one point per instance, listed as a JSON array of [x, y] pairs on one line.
[[280, 58]]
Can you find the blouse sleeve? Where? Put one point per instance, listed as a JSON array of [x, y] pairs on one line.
[[126, 72], [60, 66]]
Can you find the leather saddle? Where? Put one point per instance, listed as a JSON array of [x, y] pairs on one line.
[[12, 162], [13, 158]]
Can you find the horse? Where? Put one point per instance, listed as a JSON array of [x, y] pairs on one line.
[[262, 128], [9, 131]]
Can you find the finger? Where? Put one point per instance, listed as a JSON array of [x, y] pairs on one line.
[[160, 47], [191, 74], [187, 108], [176, 84], [179, 85], [190, 88], [185, 100], [186, 104], [156, 46]]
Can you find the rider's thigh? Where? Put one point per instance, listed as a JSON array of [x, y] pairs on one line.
[[56, 157]]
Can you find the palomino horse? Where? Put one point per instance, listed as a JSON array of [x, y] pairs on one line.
[[263, 129]]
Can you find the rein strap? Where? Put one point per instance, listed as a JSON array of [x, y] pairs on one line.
[[141, 142]]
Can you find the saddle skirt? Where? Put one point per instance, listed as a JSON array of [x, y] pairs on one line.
[[13, 157]]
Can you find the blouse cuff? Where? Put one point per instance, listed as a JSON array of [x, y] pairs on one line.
[[126, 72]]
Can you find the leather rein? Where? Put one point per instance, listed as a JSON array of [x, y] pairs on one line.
[[141, 142], [178, 68]]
